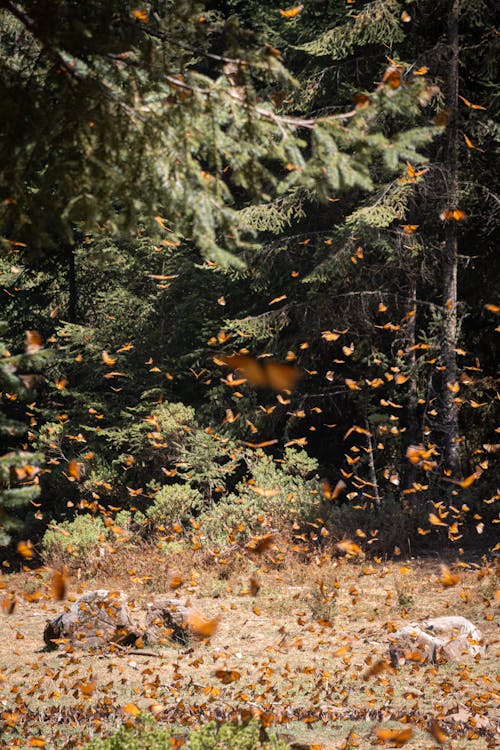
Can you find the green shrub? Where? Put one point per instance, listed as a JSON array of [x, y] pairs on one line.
[[175, 420], [73, 542], [124, 519], [227, 736], [278, 494], [232, 736], [231, 517], [137, 738], [174, 503], [174, 547], [299, 463]]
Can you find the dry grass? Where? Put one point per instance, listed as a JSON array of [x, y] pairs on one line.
[[290, 666]]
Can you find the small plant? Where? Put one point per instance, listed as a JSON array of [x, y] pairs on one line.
[[298, 463], [489, 591], [232, 736], [174, 547], [405, 599], [73, 542], [124, 520], [226, 736], [323, 603]]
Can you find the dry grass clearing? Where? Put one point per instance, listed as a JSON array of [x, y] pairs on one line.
[[298, 654]]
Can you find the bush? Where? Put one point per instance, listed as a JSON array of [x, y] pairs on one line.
[[174, 503], [277, 494], [227, 736], [299, 463], [175, 420], [124, 520], [231, 736], [323, 602], [73, 542]]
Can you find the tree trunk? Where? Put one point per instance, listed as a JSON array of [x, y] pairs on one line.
[[413, 429], [72, 288], [371, 464], [449, 412]]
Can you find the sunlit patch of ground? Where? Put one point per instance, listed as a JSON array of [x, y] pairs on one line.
[[298, 654]]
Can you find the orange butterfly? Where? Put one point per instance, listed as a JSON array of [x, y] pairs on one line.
[[201, 626], [292, 12], [264, 373]]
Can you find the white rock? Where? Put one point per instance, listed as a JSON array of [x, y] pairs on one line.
[[446, 637]]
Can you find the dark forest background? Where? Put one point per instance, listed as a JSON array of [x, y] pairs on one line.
[[249, 272]]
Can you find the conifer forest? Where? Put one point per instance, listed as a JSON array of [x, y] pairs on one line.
[[249, 387]]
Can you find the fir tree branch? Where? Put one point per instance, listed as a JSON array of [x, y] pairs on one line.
[[59, 60], [195, 50], [28, 24]]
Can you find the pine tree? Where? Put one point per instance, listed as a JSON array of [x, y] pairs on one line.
[[114, 116], [303, 175], [406, 281], [450, 427], [19, 467]]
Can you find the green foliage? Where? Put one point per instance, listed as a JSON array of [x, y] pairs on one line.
[[230, 735], [405, 600], [377, 22], [192, 141], [174, 503], [225, 736], [298, 463], [275, 495], [74, 542], [127, 124], [158, 445], [19, 481], [274, 217], [124, 520]]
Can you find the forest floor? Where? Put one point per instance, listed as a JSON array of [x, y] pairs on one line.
[[290, 654]]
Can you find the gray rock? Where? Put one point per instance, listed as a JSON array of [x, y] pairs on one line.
[[95, 619], [165, 621], [451, 637]]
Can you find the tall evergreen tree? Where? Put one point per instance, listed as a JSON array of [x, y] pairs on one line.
[[413, 233], [99, 97]]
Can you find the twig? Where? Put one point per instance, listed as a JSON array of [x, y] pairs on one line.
[[195, 50], [139, 652]]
